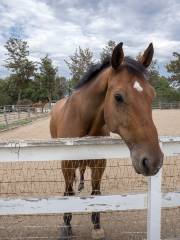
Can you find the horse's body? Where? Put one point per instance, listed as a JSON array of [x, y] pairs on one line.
[[64, 107], [112, 97]]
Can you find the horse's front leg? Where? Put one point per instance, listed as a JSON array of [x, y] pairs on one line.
[[97, 170], [68, 169]]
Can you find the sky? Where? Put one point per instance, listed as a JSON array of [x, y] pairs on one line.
[[58, 27]]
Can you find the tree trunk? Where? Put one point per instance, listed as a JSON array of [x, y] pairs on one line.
[[50, 99], [19, 95]]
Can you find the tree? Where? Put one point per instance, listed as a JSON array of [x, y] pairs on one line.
[[22, 69], [47, 77], [5, 98], [154, 74], [174, 68], [79, 63], [34, 92], [153, 71], [164, 91], [107, 50], [61, 87]]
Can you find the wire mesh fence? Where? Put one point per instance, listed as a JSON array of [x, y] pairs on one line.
[[15, 115], [44, 179], [170, 220]]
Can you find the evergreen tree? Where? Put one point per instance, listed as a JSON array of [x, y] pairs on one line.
[[22, 69], [47, 77], [154, 74], [61, 87], [174, 68], [107, 50], [5, 98], [79, 64]]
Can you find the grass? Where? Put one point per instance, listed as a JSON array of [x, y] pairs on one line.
[[3, 126]]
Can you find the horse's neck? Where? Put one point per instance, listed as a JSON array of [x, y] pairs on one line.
[[92, 98]]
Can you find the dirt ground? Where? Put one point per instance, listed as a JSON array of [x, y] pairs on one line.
[[45, 179]]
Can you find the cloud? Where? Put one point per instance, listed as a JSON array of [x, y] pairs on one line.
[[59, 27]]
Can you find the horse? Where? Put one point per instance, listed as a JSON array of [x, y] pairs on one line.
[[113, 96]]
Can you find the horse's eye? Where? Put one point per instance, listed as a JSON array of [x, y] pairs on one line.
[[119, 98]]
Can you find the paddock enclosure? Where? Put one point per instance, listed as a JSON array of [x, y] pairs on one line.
[[12, 116], [43, 180]]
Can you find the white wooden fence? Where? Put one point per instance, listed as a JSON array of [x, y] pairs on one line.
[[89, 148]]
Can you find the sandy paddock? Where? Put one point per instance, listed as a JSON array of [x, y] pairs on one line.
[[45, 179]]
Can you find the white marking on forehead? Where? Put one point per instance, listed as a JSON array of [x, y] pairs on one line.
[[137, 86]]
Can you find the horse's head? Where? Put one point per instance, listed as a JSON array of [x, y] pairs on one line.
[[128, 109]]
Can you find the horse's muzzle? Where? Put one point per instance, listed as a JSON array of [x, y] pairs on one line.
[[145, 163]]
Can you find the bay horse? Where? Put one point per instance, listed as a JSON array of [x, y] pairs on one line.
[[113, 96]]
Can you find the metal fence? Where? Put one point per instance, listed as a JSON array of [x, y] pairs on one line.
[[132, 206], [15, 115], [166, 105]]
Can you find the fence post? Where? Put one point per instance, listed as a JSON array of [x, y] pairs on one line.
[[154, 207], [29, 112], [36, 112], [18, 112], [159, 105]]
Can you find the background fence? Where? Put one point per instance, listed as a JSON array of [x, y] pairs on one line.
[[166, 105], [32, 183], [15, 115]]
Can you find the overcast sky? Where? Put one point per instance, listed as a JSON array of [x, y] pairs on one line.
[[58, 27]]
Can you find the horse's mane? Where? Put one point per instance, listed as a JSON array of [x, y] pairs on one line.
[[130, 64], [93, 71]]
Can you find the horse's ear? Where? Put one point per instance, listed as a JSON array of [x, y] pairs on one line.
[[117, 56], [146, 58]]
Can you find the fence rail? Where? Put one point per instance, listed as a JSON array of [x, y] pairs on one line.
[[89, 148], [14, 115]]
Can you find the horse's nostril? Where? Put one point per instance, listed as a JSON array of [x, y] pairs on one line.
[[145, 164]]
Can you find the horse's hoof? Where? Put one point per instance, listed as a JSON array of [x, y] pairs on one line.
[[98, 234], [66, 233], [81, 186]]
